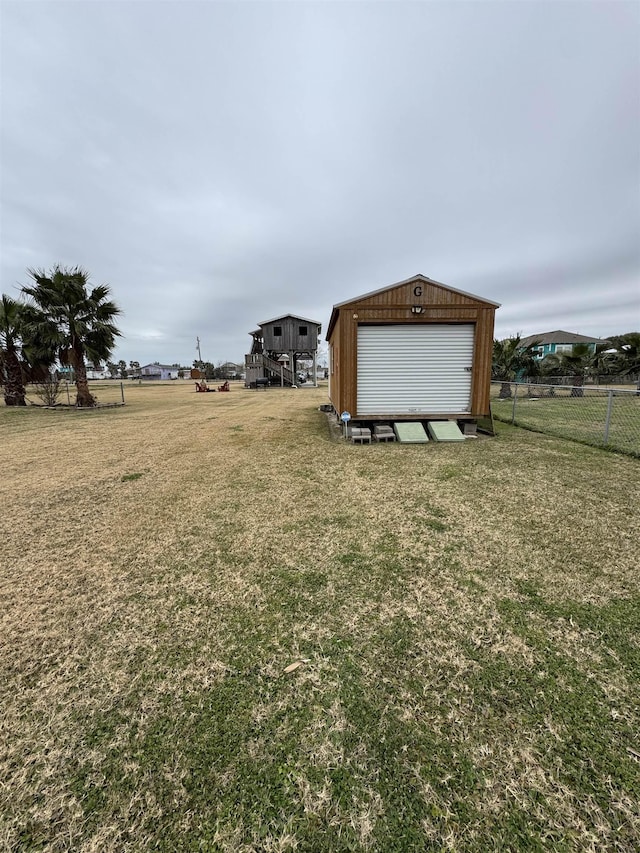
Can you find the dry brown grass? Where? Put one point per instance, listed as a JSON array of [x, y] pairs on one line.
[[465, 612]]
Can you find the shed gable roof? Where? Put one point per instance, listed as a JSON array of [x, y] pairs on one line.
[[415, 279]]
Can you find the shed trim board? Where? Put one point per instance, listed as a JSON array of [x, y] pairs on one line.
[[410, 370]]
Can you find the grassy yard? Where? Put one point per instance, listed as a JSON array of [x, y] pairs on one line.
[[578, 418], [466, 618]]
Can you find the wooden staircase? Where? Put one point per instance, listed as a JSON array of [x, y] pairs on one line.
[[270, 368]]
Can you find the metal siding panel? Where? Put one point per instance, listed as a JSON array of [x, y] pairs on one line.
[[411, 369]]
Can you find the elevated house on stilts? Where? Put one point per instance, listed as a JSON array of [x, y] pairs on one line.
[[278, 348]]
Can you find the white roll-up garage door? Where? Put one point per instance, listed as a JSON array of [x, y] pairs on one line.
[[404, 370]]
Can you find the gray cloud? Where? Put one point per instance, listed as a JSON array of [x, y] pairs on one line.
[[221, 163]]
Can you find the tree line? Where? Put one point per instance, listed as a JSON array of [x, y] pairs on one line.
[[619, 356], [59, 318]]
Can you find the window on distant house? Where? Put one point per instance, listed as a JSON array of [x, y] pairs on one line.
[[302, 330], [277, 331], [564, 347]]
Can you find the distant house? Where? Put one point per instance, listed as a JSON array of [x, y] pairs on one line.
[[229, 370], [97, 372], [159, 372], [559, 341]]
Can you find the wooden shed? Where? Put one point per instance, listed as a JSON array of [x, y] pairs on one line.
[[415, 350]]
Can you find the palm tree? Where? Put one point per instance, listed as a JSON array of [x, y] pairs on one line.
[[11, 331], [575, 364], [510, 360], [628, 352], [74, 323], [603, 362]]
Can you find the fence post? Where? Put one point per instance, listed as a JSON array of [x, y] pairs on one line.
[[607, 422], [68, 397], [122, 391], [515, 397]]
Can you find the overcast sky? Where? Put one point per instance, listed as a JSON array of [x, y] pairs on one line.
[[220, 164]]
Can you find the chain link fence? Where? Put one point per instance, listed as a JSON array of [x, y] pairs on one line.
[[627, 382], [53, 393], [604, 417]]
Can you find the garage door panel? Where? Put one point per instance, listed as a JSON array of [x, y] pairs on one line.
[[414, 369]]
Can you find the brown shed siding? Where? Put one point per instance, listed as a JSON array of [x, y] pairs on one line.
[[393, 305], [482, 360]]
